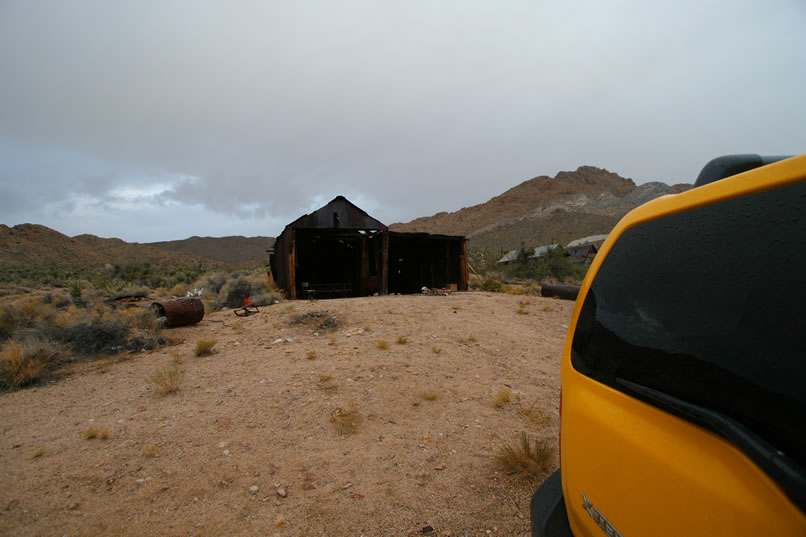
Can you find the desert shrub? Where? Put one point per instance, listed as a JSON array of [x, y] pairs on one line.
[[491, 285], [19, 369], [204, 347], [346, 420], [402, 340], [92, 432], [481, 260], [23, 314], [75, 287], [96, 336], [502, 398], [140, 318], [180, 289], [211, 282], [512, 289], [429, 395], [234, 292], [535, 415], [24, 362], [382, 344], [527, 457], [167, 380], [554, 264], [319, 321]]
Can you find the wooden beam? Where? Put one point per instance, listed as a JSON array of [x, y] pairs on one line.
[[292, 265], [384, 268], [364, 270], [463, 267]]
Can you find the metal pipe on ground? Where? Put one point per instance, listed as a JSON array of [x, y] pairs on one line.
[[180, 312], [567, 292]]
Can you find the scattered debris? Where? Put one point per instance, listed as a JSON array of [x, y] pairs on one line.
[[435, 291], [247, 309], [180, 312]]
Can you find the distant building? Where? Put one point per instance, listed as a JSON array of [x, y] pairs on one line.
[[536, 253], [583, 254], [341, 251], [584, 250]]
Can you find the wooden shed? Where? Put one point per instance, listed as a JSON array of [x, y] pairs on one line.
[[341, 251]]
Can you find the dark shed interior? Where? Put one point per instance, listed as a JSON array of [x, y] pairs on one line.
[[341, 251]]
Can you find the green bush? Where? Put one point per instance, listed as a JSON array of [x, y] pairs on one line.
[[490, 284], [554, 264]]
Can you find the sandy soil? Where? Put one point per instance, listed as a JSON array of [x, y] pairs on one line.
[[252, 423]]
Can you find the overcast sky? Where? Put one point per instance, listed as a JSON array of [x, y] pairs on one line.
[[159, 120]]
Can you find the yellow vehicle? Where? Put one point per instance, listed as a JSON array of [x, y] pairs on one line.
[[683, 406]]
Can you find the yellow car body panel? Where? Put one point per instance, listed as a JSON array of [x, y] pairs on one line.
[[643, 471]]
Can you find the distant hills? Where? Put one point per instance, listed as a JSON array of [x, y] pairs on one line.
[[237, 250], [542, 210], [36, 245]]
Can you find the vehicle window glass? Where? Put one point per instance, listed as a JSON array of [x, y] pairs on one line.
[[707, 305]]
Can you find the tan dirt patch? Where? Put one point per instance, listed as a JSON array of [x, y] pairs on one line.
[[250, 443]]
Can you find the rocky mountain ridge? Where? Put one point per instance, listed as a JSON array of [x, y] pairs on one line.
[[543, 210]]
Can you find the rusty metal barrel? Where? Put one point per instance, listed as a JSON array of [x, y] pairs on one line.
[[180, 312], [568, 292]]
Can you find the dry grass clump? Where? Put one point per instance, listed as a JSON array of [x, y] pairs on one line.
[[311, 355], [502, 398], [140, 318], [535, 415], [24, 362], [522, 311], [548, 308], [150, 450], [167, 380], [382, 344], [491, 285], [92, 432], [429, 395], [237, 327], [346, 420], [318, 321], [25, 313], [204, 347], [402, 340], [326, 382], [512, 289], [38, 452], [19, 367], [435, 349], [96, 336], [524, 456]]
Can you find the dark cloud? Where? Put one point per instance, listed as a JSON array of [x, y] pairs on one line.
[[241, 114]]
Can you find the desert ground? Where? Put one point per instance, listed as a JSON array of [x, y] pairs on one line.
[[257, 441]]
